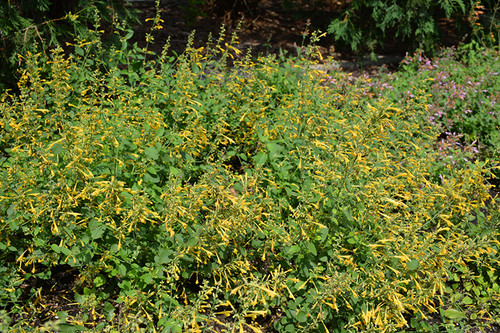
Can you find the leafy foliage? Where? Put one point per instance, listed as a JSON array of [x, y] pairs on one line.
[[366, 25], [38, 25], [190, 196], [463, 98]]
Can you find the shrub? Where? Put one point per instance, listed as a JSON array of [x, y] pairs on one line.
[[38, 25], [462, 86], [367, 25], [186, 195]]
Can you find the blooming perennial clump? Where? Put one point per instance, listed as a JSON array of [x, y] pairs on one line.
[[182, 194]]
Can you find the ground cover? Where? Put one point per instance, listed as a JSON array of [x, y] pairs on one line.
[[182, 194]]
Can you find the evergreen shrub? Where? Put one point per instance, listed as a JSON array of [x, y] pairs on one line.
[[369, 26]]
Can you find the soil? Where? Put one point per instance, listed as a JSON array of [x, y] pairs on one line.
[[266, 27]]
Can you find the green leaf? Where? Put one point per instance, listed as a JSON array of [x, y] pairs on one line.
[[151, 152], [323, 233], [99, 281], [150, 179], [412, 264], [274, 150], [79, 51], [302, 316], [122, 269], [347, 213], [174, 171], [151, 170], [127, 196], [109, 310], [289, 191], [147, 278], [192, 242], [55, 248], [62, 315], [294, 249], [160, 132], [57, 149], [312, 249], [85, 239], [11, 210], [65, 251], [164, 256], [98, 231], [69, 328], [453, 314], [467, 300], [260, 158], [242, 156]]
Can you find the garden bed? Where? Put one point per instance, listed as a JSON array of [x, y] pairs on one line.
[[183, 194]]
